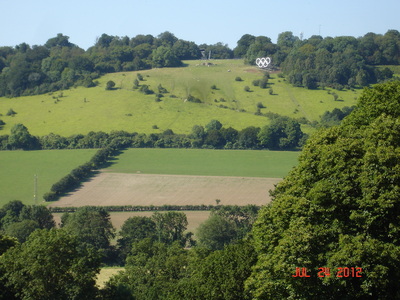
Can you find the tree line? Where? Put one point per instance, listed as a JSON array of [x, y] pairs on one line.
[[59, 64], [283, 133]]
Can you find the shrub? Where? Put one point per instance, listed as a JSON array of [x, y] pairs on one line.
[[263, 83], [238, 79], [193, 99], [135, 84], [110, 85], [247, 88], [145, 89], [260, 105], [213, 87], [256, 82], [11, 112], [161, 89]]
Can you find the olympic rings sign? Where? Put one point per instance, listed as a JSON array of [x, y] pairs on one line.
[[263, 62]]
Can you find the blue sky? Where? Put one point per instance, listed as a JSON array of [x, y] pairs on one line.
[[34, 22]]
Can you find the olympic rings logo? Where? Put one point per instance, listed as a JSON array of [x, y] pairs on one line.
[[263, 62]]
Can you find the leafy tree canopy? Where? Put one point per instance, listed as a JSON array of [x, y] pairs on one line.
[[50, 265], [338, 208]]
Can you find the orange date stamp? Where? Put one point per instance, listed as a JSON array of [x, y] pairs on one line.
[[344, 272]]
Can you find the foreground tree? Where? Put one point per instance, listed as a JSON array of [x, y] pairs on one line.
[[50, 265], [337, 209], [152, 272], [220, 275]]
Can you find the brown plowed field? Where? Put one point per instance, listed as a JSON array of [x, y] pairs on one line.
[[108, 189]]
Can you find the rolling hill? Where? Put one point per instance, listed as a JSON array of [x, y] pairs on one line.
[[80, 110]]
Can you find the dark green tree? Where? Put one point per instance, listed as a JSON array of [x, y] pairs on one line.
[[134, 230], [164, 56], [216, 232], [248, 137], [50, 265], [243, 45], [20, 138], [92, 226], [21, 230], [213, 125], [282, 133], [110, 85], [38, 213], [170, 227], [220, 275], [152, 271], [338, 208]]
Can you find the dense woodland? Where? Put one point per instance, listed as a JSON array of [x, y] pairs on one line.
[[337, 210], [58, 64]]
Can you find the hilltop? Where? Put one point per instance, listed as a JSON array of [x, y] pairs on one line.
[[215, 83]]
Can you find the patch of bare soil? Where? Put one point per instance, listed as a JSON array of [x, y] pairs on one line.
[[106, 189]]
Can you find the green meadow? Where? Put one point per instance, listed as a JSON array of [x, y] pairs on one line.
[[243, 163], [80, 110], [18, 168]]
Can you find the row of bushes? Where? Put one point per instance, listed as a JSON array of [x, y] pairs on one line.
[[83, 172], [200, 137], [116, 208]]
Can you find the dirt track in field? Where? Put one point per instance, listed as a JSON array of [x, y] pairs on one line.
[[108, 189]]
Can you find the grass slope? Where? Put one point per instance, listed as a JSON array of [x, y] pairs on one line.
[[244, 163], [81, 110], [17, 170]]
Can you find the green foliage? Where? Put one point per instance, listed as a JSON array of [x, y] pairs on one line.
[[92, 226], [337, 208], [220, 275], [145, 89], [334, 117], [50, 265], [213, 125], [216, 232], [193, 99], [11, 112], [6, 242], [110, 85], [152, 271], [237, 78], [134, 230], [225, 225], [161, 89], [282, 133], [21, 230], [164, 56], [170, 227], [20, 138], [19, 220]]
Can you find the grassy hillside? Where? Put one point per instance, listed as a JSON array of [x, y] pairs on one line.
[[17, 170], [81, 110], [243, 163]]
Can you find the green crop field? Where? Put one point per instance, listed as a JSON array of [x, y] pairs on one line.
[[80, 110], [244, 163], [18, 168]]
